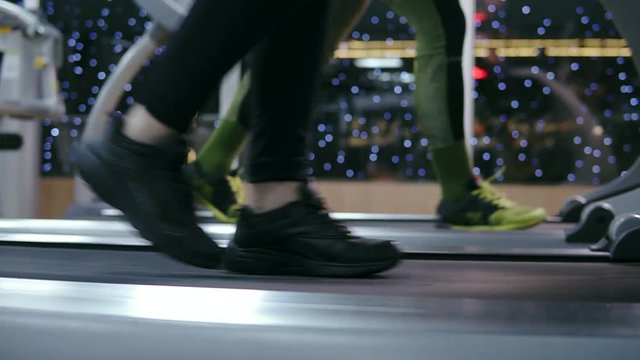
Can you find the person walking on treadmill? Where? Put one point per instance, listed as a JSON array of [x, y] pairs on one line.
[[284, 227], [467, 202]]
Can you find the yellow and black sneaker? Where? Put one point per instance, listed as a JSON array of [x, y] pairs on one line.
[[222, 196], [484, 208]]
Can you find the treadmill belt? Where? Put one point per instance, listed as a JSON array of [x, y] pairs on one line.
[[555, 281], [414, 238]]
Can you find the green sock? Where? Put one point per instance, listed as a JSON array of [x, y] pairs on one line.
[[226, 141], [453, 169]]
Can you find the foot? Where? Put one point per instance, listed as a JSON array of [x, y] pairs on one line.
[[220, 195], [301, 239], [484, 208], [145, 182]]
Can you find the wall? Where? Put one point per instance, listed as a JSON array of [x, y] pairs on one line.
[[379, 196]]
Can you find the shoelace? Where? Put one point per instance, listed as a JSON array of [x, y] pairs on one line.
[[317, 204], [489, 194]]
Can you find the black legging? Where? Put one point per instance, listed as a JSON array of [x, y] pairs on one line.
[[287, 37]]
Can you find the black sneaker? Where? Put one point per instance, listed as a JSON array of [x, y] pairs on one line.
[[301, 238], [222, 195], [146, 183]]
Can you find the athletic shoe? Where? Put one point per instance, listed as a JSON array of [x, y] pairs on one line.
[[146, 183], [484, 208], [222, 196], [301, 238]]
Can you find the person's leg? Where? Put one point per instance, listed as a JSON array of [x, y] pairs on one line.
[[439, 99], [211, 175], [137, 168], [284, 228], [440, 31]]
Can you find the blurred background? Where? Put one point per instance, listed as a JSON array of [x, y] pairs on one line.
[[555, 97]]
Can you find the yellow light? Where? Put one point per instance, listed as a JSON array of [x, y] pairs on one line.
[[501, 47]]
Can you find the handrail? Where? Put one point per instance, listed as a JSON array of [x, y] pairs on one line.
[[30, 22]]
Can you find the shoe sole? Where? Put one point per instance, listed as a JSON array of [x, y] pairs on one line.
[[217, 213], [504, 227], [257, 261]]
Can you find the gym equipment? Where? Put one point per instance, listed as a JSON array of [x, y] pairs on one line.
[[31, 54], [629, 27], [575, 205]]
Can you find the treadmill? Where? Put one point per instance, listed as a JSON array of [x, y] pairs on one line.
[[93, 289]]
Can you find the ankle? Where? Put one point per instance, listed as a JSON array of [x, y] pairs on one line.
[[267, 196], [143, 127]]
